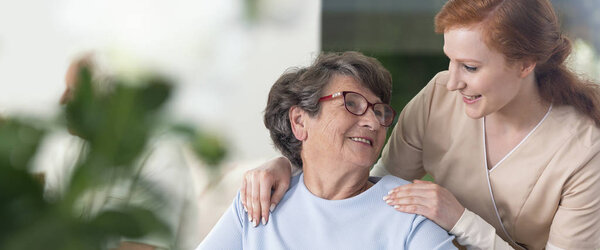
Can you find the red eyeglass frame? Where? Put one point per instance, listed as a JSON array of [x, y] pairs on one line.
[[371, 105]]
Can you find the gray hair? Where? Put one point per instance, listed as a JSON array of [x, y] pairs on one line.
[[303, 87]]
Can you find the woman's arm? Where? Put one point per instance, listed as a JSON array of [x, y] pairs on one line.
[[263, 187], [439, 205], [474, 232]]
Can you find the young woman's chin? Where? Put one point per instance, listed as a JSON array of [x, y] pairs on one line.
[[479, 109], [474, 113]]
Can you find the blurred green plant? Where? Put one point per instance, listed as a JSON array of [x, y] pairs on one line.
[[251, 10], [207, 146], [116, 127]]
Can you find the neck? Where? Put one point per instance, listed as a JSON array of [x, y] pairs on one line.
[[330, 182], [521, 114]]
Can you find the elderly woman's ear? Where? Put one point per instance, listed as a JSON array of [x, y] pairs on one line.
[[297, 121]]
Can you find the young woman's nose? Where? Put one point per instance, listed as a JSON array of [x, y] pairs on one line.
[[454, 82]]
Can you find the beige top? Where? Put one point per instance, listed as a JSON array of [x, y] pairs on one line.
[[546, 191]]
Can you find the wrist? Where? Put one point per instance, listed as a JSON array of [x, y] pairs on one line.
[[457, 224]]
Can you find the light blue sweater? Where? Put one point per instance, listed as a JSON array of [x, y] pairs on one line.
[[305, 221]]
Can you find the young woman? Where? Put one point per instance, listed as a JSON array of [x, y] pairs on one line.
[[510, 135]]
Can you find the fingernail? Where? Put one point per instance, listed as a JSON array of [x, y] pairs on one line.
[[264, 221], [245, 210], [396, 207], [272, 207], [391, 191], [388, 201], [249, 218], [255, 223], [386, 197]]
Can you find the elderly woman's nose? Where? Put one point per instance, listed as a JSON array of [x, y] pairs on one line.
[[369, 119]]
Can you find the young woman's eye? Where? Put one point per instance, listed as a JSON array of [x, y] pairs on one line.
[[469, 68]]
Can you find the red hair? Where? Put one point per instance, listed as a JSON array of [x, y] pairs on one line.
[[527, 30]]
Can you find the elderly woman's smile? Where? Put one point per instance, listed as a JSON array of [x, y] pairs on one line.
[[366, 141]]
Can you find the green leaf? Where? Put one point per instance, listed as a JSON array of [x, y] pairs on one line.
[[18, 144], [130, 222], [155, 93], [209, 148]]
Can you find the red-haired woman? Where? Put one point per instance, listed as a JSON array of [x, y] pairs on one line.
[[510, 135]]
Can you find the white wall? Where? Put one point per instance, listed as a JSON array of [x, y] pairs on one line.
[[224, 63]]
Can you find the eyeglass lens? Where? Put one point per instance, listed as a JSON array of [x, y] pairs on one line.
[[357, 104]]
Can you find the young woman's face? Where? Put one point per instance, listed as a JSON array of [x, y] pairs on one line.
[[483, 77]]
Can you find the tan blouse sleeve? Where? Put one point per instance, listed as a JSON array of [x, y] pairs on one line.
[[576, 224], [402, 155], [473, 232]]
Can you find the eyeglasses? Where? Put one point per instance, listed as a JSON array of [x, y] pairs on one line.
[[357, 104]]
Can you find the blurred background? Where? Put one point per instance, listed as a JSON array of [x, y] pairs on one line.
[[223, 56]]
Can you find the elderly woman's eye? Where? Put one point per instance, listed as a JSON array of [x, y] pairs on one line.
[[378, 113], [350, 103]]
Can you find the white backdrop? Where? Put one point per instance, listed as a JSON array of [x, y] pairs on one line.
[[223, 61]]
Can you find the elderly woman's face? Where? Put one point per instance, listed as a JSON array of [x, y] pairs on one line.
[[341, 136]]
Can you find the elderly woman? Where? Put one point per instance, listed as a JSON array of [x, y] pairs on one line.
[[331, 119]]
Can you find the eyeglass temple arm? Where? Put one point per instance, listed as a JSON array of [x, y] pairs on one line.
[[334, 95]]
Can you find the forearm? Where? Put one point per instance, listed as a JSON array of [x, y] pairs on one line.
[[473, 232], [282, 161]]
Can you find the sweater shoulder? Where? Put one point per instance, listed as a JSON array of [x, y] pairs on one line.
[[390, 181]]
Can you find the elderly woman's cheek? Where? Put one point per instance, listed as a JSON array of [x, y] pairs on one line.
[[333, 129]]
